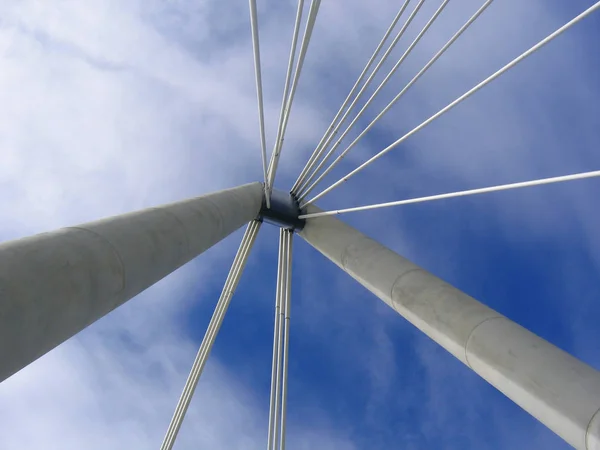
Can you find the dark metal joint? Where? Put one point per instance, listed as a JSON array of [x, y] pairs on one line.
[[284, 211]]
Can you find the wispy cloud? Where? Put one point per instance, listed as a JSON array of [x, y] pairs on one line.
[[112, 106]]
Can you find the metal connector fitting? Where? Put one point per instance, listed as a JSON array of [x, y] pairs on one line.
[[284, 211]]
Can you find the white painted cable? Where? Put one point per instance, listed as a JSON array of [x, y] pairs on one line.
[[288, 76], [304, 192], [310, 23], [308, 190], [466, 95], [369, 79], [229, 287], [316, 153], [502, 187], [287, 299]]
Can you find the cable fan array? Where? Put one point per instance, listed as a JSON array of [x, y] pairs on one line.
[[317, 169]]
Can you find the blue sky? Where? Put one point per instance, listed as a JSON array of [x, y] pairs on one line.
[[112, 106]]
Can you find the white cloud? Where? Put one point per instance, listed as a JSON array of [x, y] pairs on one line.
[[103, 114], [111, 106]]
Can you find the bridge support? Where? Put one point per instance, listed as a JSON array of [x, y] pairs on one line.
[[55, 284], [559, 390]]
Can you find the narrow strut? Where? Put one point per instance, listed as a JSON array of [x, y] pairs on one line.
[[287, 300], [372, 97], [231, 283], [279, 371], [316, 153], [280, 295], [288, 78], [259, 94], [341, 156], [460, 99], [368, 81], [273, 410], [502, 187], [310, 23]]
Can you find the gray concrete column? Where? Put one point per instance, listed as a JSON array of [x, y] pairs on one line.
[[559, 390], [55, 284]]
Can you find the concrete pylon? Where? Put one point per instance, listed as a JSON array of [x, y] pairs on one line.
[[55, 284], [559, 390]]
